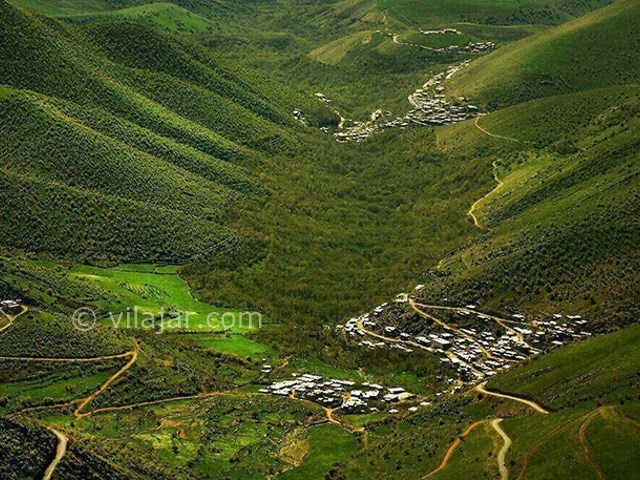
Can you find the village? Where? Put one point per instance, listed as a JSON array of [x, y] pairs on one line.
[[349, 396], [430, 108], [476, 345], [442, 31], [430, 105]]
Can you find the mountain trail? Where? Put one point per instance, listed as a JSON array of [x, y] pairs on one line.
[[502, 465]]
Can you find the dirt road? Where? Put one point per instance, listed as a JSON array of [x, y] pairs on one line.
[[78, 413], [475, 204], [12, 318], [585, 446], [452, 449], [61, 449], [486, 132], [481, 388], [502, 465]]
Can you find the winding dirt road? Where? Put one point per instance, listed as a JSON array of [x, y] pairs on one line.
[[78, 413], [61, 449], [537, 407], [452, 448], [486, 132], [585, 446], [495, 423], [502, 464], [475, 204]]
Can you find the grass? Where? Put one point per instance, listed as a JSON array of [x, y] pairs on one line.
[[167, 16], [334, 52], [475, 458], [559, 379], [546, 64], [64, 7], [613, 442], [62, 384], [236, 345], [152, 292], [328, 445]]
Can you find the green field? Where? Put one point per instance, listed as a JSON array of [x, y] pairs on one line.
[[169, 166], [162, 293]]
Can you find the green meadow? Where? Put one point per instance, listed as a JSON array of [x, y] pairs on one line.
[[142, 292], [154, 171]]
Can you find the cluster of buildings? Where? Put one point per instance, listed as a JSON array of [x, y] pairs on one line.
[[478, 47], [322, 97], [297, 114], [430, 107], [471, 47], [360, 131], [555, 332], [443, 31], [349, 396], [8, 305], [474, 344]]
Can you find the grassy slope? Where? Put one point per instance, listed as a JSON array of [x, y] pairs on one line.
[[596, 376], [601, 370], [546, 246], [167, 16], [112, 132], [332, 53], [565, 59], [434, 12], [548, 193]]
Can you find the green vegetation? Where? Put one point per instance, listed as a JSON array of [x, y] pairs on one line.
[[549, 63], [168, 16], [329, 444], [153, 166], [598, 371]]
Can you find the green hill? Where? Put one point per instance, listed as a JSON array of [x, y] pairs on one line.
[[152, 164], [152, 131], [592, 389], [565, 59], [165, 15], [559, 225]]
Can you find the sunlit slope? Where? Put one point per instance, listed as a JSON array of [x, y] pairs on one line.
[[560, 223], [37, 50], [46, 142], [557, 379], [598, 50], [500, 12], [165, 15]]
